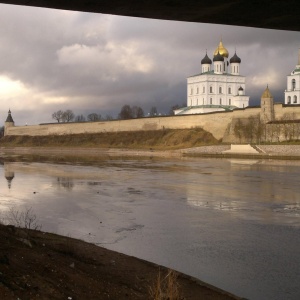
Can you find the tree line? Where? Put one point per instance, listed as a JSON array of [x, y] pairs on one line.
[[127, 112], [68, 116], [253, 130]]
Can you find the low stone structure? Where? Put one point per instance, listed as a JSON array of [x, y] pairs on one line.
[[245, 149]]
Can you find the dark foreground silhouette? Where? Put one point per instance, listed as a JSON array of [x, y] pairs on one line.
[[38, 265]]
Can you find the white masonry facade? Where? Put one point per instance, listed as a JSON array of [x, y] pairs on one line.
[[219, 88], [292, 92]]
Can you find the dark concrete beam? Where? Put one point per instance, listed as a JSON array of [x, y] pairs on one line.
[[275, 14]]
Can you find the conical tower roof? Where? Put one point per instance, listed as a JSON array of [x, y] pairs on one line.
[[266, 93], [9, 117]]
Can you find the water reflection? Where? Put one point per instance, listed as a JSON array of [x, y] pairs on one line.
[[249, 189], [224, 221], [66, 183], [9, 175]]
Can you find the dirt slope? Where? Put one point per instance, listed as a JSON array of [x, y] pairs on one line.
[[37, 265], [158, 139]]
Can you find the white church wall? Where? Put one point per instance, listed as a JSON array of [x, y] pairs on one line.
[[292, 94], [217, 87]]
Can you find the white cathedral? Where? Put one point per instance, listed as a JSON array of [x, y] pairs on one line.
[[219, 89], [292, 93]]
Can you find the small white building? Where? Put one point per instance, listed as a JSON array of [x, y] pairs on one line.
[[218, 89], [292, 93]]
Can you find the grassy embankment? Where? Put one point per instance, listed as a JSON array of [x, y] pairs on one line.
[[156, 139]]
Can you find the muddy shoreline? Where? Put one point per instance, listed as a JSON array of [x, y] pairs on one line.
[[39, 265], [289, 152]]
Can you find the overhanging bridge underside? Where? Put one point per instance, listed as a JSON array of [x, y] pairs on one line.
[[274, 14]]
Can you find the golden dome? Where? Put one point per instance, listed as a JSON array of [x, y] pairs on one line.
[[266, 94], [222, 50]]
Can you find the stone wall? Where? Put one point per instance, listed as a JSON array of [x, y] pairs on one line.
[[281, 110], [218, 123], [286, 126]]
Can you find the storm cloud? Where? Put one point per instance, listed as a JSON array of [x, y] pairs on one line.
[[53, 60]]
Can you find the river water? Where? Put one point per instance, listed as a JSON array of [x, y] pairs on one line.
[[232, 223]]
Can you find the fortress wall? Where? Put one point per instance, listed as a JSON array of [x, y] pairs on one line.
[[281, 110], [246, 113], [26, 130], [215, 123]]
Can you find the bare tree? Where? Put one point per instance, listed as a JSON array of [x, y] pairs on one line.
[[80, 118], [2, 131], [58, 115], [137, 112], [297, 130], [153, 111], [25, 219], [108, 117], [248, 132], [93, 117], [277, 131], [270, 132], [68, 116], [289, 126], [239, 129], [126, 113], [259, 130]]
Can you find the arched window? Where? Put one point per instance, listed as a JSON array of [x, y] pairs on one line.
[[237, 69], [293, 84], [220, 90], [210, 100], [204, 90], [229, 90], [295, 99], [210, 89], [220, 101], [229, 101], [289, 100]]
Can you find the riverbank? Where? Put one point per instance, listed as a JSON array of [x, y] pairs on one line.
[[266, 152], [38, 265], [167, 139]]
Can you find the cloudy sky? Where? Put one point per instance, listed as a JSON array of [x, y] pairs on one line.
[[53, 60]]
